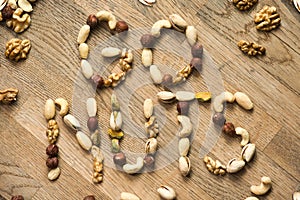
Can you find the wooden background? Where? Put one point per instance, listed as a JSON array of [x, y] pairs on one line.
[[52, 71]]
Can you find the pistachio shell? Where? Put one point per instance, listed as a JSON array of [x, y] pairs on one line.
[[184, 165], [72, 122], [235, 165], [184, 146], [166, 192], [248, 152]]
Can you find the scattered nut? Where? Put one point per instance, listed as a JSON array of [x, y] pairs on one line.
[[128, 196], [92, 21], [148, 41], [267, 19], [184, 146], [248, 152], [134, 168], [243, 100], [186, 124], [183, 107], [54, 174], [166, 192], [119, 159], [89, 197], [244, 4], [115, 120], [151, 146], [251, 48], [91, 106], [263, 188], [83, 140], [178, 23], [17, 197], [111, 52], [197, 50], [83, 50], [228, 128], [191, 35], [72, 122], [52, 150], [52, 163], [147, 57], [52, 131], [235, 165], [64, 106], [8, 95], [148, 108], [156, 74], [185, 96], [25, 5], [19, 22], [184, 165], [245, 135], [166, 97], [219, 119], [203, 96], [157, 26], [297, 4], [121, 27], [17, 49]]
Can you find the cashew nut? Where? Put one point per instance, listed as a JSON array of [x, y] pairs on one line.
[[104, 15], [187, 126], [263, 188], [251, 198], [157, 26], [245, 135], [134, 168], [221, 99], [64, 106]]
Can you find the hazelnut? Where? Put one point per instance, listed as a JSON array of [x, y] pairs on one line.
[[197, 50], [92, 123], [52, 150], [52, 163], [219, 119], [7, 12], [183, 107], [148, 40], [228, 128], [89, 197], [98, 81], [196, 63], [167, 80], [121, 26], [149, 161], [92, 21], [17, 197], [119, 159]]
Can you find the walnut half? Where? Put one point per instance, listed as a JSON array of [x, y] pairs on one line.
[[8, 95], [17, 49], [19, 21], [244, 4], [267, 19], [251, 48]]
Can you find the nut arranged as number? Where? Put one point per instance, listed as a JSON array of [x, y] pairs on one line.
[[156, 74], [134, 168], [52, 131], [252, 198], [248, 152], [186, 124], [235, 165], [72, 122], [110, 52], [64, 106], [185, 96], [8, 95], [157, 26], [84, 141], [166, 97], [83, 34], [54, 174], [17, 49], [128, 196], [86, 69], [251, 48], [243, 100], [191, 35], [83, 50], [116, 120], [184, 164], [147, 57], [49, 109], [178, 23], [166, 192], [214, 166], [263, 188], [148, 108], [91, 106], [245, 135], [104, 15], [151, 146], [184, 146]]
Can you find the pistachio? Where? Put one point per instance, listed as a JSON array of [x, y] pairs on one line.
[[185, 96], [203, 96], [166, 97], [177, 22], [83, 50], [72, 122], [243, 100], [49, 109], [95, 138], [148, 108], [115, 103], [184, 165], [83, 140], [151, 127], [86, 69], [248, 152], [134, 168], [115, 120], [115, 134], [115, 146], [151, 146], [54, 174], [191, 35], [128, 196], [166, 192], [64, 106], [235, 165], [245, 135], [111, 52], [156, 74], [25, 5], [157, 26], [147, 57], [83, 34], [184, 146], [91, 106], [186, 124]]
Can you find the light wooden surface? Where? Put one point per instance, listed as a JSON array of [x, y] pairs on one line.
[[52, 71]]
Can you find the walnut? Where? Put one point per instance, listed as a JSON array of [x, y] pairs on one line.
[[52, 131], [8, 95], [267, 19], [114, 79], [19, 22], [98, 168], [244, 4], [251, 48], [17, 49]]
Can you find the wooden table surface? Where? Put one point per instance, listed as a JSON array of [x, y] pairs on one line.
[[52, 70]]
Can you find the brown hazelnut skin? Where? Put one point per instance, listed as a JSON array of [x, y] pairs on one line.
[[89, 197], [196, 63], [98, 81], [7, 12], [92, 123], [52, 163], [92, 21], [52, 150], [167, 80], [119, 159], [17, 197], [148, 40], [183, 107], [149, 161], [219, 119], [228, 128], [121, 26], [197, 50]]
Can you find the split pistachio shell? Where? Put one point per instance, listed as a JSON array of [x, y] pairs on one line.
[[235, 165], [191, 35], [148, 108], [178, 22], [184, 165], [134, 168], [86, 69], [186, 124], [49, 109], [243, 100], [64, 106], [166, 97], [128, 196], [91, 106], [156, 74], [83, 140], [25, 5], [72, 122], [110, 52], [83, 50], [185, 96], [157, 26], [244, 134], [116, 120], [166, 192], [54, 174], [248, 152], [151, 146], [184, 146], [83, 34], [147, 57]]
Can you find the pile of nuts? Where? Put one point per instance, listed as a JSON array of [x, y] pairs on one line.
[[251, 48], [17, 49], [148, 42], [244, 4], [8, 95], [267, 19], [16, 14]]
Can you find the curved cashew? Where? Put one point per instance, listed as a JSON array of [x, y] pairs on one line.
[[251, 198], [186, 124], [245, 135], [157, 26], [221, 99], [104, 15], [64, 106], [263, 188], [134, 168]]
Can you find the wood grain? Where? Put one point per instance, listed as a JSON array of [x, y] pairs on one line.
[[52, 71]]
